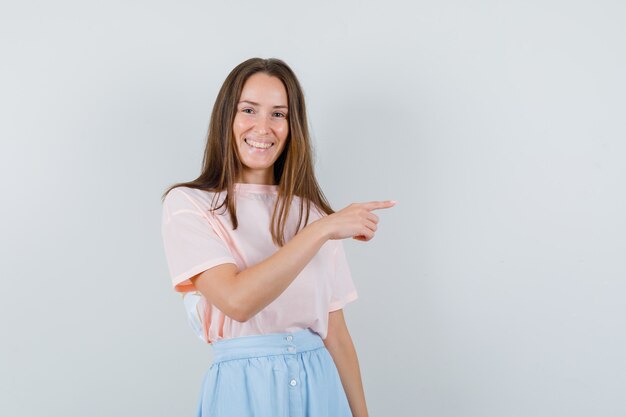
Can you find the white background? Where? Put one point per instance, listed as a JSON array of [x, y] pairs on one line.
[[494, 288]]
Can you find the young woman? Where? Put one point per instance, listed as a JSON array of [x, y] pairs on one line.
[[269, 268]]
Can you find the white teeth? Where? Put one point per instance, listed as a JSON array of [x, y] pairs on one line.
[[257, 144]]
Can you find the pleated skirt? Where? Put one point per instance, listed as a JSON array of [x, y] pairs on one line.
[[273, 375]]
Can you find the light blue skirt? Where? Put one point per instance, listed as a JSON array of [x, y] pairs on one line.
[[273, 375]]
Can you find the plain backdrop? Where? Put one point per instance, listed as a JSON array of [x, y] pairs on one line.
[[494, 288]]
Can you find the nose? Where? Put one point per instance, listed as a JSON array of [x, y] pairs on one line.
[[262, 125]]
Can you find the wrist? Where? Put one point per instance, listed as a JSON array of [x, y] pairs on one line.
[[321, 231]]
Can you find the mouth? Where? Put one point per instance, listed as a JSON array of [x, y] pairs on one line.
[[258, 145]]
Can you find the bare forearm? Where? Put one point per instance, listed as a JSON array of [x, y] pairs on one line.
[[346, 360], [257, 286]]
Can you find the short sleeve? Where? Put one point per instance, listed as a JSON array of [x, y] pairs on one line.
[[342, 287], [190, 242]]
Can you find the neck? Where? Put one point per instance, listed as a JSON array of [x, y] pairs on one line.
[[254, 178]]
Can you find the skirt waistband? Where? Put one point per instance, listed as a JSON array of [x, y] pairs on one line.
[[289, 343]]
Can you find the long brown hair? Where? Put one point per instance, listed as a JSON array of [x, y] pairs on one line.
[[293, 170]]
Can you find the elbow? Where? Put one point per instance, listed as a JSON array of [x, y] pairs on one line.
[[238, 312], [239, 316], [239, 305], [232, 311]]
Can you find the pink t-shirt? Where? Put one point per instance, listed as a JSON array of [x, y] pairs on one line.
[[196, 239]]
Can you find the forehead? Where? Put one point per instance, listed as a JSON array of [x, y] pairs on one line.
[[265, 90]]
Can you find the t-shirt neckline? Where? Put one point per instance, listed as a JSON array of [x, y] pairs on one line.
[[256, 188]]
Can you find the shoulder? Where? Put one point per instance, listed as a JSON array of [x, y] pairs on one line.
[[183, 197], [178, 198]]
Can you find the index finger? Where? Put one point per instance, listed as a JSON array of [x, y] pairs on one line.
[[375, 205]]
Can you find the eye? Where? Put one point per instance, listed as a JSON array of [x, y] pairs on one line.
[[281, 114], [244, 110]]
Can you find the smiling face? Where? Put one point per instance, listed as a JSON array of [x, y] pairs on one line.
[[260, 128]]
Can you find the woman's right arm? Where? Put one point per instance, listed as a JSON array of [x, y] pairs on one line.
[[242, 294]]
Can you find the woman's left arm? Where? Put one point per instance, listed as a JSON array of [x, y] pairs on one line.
[[339, 344]]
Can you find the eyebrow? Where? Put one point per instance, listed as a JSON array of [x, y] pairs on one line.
[[256, 104]]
